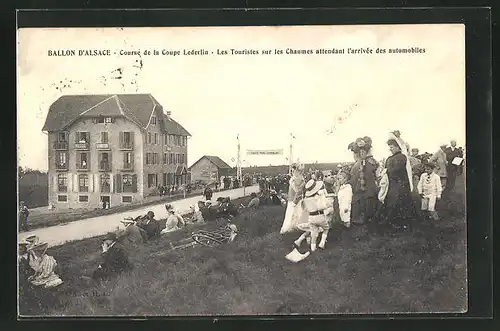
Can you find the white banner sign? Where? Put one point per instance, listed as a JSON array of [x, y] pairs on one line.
[[264, 151]]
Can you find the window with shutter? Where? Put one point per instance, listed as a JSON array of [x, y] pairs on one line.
[[134, 183], [121, 140]]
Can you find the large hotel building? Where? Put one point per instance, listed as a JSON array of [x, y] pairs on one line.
[[112, 148]]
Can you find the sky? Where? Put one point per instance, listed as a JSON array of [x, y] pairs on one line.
[[261, 98]]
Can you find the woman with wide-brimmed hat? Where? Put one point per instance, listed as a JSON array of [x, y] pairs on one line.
[[43, 266], [363, 181], [398, 205], [293, 212]]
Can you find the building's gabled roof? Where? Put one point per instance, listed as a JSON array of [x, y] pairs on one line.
[[217, 161], [136, 107]]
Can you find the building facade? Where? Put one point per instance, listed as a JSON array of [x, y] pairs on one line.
[[111, 148], [209, 169]]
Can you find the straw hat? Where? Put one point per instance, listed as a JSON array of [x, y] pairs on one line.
[[40, 248], [312, 187], [32, 239]]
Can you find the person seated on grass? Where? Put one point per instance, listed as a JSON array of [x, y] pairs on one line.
[[25, 271], [227, 208], [174, 220], [43, 266], [132, 234], [114, 259], [274, 198], [254, 201], [150, 225], [197, 212]]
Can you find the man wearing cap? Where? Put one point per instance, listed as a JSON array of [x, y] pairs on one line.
[[24, 212], [452, 169], [114, 258], [150, 225], [439, 160]]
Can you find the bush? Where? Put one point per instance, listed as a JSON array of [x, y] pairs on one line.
[[33, 188]]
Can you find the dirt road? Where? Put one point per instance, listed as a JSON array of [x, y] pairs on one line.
[[91, 227]]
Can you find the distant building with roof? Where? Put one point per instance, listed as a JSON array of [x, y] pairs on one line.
[[114, 148], [209, 169]]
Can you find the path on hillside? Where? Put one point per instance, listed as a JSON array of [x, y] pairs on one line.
[[95, 226]]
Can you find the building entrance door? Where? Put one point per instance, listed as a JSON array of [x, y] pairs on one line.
[[105, 201]]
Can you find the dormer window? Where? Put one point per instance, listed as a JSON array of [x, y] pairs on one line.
[[153, 120], [102, 120]]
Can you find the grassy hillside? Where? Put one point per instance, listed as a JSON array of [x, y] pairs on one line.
[[362, 270]]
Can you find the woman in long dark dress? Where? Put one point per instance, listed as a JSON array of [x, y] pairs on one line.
[[363, 182], [399, 209]]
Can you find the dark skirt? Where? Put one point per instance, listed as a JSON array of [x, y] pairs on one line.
[[364, 208], [399, 206]]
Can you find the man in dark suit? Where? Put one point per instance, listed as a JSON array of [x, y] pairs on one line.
[[150, 225], [114, 259], [452, 152]]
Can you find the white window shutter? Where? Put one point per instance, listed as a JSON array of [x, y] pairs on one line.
[[91, 183], [70, 183], [75, 184], [97, 183], [55, 189], [111, 182]]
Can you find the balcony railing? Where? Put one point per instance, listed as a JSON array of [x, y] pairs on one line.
[[104, 166], [62, 166], [128, 167], [126, 145], [102, 146], [82, 167], [62, 188], [61, 146], [82, 145]]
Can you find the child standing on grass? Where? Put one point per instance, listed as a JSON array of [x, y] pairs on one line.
[[344, 197], [430, 189]]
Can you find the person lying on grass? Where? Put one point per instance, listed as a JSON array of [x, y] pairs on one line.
[[132, 234], [151, 226], [174, 220], [114, 259], [254, 201]]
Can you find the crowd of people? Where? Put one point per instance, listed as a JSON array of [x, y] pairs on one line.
[[396, 192], [37, 269]]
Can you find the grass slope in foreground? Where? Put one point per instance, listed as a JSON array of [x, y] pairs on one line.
[[419, 271]]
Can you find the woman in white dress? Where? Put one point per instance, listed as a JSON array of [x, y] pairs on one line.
[[294, 214]]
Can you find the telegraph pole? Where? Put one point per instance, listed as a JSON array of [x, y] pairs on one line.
[[290, 157], [238, 162]]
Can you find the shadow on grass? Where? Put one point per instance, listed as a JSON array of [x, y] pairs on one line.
[[419, 271]]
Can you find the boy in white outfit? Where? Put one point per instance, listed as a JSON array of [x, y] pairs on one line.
[[344, 196], [430, 189]]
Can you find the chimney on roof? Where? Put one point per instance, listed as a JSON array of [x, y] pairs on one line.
[[168, 114]]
